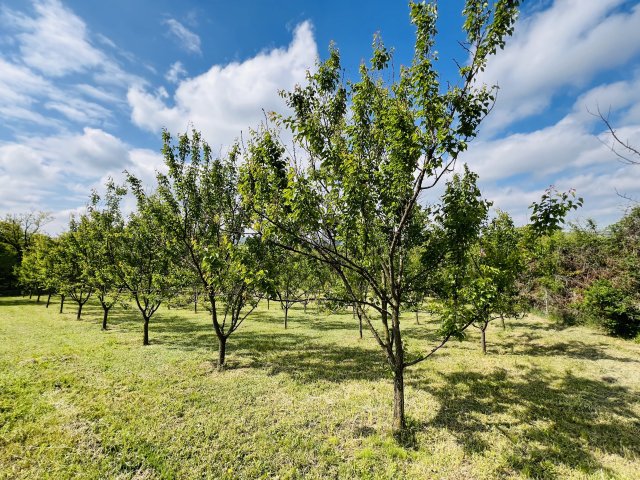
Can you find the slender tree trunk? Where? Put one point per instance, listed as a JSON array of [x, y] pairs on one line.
[[398, 377], [360, 325], [195, 302], [61, 302], [546, 302], [80, 305], [286, 314], [30, 294], [483, 337], [222, 348], [267, 303], [305, 307], [145, 340], [398, 399], [104, 316], [38, 299], [504, 325], [48, 300], [417, 318]]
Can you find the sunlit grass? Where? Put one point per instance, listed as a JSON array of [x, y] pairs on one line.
[[312, 401]]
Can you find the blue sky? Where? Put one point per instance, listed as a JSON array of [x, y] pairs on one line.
[[87, 86]]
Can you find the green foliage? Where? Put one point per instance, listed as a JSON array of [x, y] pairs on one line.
[[208, 222], [549, 214], [608, 306]]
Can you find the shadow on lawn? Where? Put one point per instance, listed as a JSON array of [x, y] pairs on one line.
[[571, 349], [550, 420], [19, 301]]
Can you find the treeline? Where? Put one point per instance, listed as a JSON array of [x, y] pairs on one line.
[[345, 213]]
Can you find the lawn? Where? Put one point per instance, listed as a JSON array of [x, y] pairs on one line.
[[312, 401]]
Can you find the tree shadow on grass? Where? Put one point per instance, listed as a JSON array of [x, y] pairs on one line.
[[18, 301], [550, 420], [572, 349]]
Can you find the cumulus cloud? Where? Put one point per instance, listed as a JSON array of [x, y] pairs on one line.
[[36, 170], [227, 99], [565, 45], [572, 153], [187, 39]]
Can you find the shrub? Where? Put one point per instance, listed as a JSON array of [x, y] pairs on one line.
[[611, 308]]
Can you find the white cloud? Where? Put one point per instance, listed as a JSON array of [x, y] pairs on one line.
[[55, 41], [226, 100], [563, 46], [175, 72], [188, 40], [51, 172], [570, 154]]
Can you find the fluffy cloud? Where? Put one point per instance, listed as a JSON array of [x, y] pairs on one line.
[[226, 100], [572, 153], [565, 45], [37, 170]]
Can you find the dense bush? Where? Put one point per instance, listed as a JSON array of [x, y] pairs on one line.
[[608, 306]]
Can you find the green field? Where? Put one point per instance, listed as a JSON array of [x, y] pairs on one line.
[[312, 401]]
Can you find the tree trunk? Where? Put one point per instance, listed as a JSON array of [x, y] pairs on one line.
[[145, 340], [80, 305], [195, 302], [48, 300], [61, 303], [222, 347], [504, 325], [267, 303], [286, 314], [305, 307], [546, 302], [38, 299], [104, 317], [30, 294], [360, 324], [483, 337], [417, 318], [398, 400]]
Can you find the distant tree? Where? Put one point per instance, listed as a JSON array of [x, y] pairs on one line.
[[493, 292], [293, 279], [99, 236], [32, 273], [145, 254], [371, 149], [73, 275], [17, 230]]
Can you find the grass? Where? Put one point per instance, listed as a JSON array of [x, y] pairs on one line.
[[313, 401]]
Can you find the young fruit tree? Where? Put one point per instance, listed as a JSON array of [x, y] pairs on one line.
[[209, 225], [99, 231], [493, 292], [371, 150], [145, 256]]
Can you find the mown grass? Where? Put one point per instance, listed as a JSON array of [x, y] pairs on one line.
[[312, 401]]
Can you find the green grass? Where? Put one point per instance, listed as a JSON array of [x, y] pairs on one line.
[[313, 401]]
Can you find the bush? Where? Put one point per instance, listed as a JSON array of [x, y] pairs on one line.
[[612, 309]]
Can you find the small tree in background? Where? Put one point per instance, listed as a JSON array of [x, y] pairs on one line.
[[145, 256], [99, 232], [493, 292]]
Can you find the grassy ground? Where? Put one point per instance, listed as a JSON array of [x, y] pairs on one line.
[[313, 401]]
